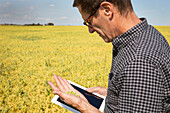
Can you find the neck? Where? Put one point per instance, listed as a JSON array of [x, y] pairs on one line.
[[127, 22]]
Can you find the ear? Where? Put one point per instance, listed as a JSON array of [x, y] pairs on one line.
[[107, 8]]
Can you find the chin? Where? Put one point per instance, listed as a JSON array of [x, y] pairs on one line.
[[107, 41]]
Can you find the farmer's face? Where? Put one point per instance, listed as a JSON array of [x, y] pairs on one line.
[[99, 24]]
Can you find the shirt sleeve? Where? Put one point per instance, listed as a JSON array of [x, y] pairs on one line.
[[142, 88]]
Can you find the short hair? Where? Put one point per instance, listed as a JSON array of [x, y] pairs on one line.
[[87, 6]]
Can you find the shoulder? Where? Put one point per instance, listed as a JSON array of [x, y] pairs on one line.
[[152, 51], [152, 46]]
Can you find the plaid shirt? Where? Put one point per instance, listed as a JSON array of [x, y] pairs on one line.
[[140, 77]]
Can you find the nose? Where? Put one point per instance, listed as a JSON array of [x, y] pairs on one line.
[[91, 30]]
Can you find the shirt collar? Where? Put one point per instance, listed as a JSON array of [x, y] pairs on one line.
[[124, 39]]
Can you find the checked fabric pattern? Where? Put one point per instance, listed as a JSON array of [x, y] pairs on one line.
[[139, 81]]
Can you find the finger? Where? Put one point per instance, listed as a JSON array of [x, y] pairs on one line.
[[71, 88], [93, 89], [52, 85], [68, 84], [63, 83], [59, 85]]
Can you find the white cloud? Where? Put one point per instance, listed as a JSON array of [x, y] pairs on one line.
[[62, 18], [51, 19], [31, 7], [44, 19], [52, 5], [7, 4], [5, 16], [27, 17]]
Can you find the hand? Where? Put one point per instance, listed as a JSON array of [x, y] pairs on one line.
[[100, 90], [64, 86], [80, 103]]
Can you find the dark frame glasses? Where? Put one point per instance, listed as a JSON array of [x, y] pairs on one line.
[[86, 22]]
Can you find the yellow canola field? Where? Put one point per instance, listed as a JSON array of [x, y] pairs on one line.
[[31, 55]]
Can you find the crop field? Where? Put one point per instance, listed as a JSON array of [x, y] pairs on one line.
[[31, 55]]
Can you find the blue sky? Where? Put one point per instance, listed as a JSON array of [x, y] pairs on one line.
[[61, 12]]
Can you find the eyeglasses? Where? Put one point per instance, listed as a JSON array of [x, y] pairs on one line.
[[86, 22]]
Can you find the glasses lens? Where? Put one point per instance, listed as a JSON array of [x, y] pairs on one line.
[[87, 24]]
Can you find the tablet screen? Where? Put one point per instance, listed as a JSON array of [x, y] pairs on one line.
[[94, 100]]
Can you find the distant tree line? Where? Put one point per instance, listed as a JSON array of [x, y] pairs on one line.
[[33, 24]]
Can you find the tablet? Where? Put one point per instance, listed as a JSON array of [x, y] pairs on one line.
[[94, 99]]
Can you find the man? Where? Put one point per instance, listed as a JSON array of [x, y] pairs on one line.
[[139, 80]]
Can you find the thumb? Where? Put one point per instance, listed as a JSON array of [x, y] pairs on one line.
[[93, 89], [68, 98], [61, 94]]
